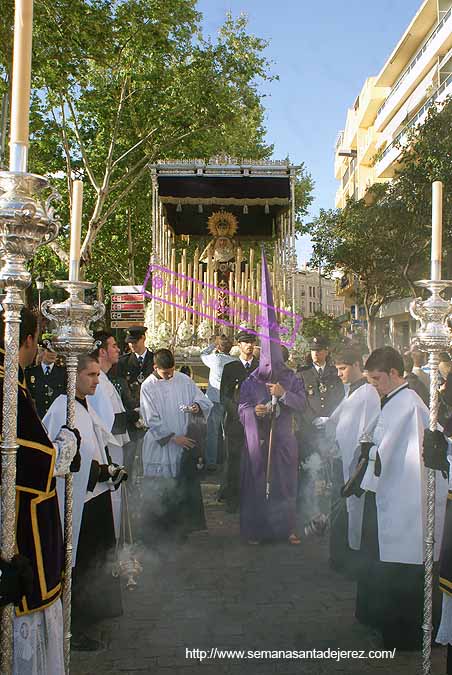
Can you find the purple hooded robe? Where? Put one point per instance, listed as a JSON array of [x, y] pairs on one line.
[[274, 518]]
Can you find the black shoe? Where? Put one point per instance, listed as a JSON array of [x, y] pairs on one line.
[[82, 643]]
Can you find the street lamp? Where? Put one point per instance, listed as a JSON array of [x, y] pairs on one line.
[[39, 285]]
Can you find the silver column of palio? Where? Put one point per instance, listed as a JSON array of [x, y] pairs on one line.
[[433, 337], [72, 337], [27, 220]]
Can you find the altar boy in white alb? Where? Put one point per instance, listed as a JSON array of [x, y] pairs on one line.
[[390, 590], [175, 411], [107, 403], [354, 417], [96, 593]]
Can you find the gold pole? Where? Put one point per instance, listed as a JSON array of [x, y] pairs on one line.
[[215, 296], [205, 293], [231, 298], [179, 313], [245, 289], [196, 287], [172, 282], [238, 266], [189, 286], [183, 281]]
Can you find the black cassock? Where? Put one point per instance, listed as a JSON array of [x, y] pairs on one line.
[[181, 508], [96, 593]]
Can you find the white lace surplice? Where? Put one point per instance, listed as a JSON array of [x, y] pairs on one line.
[[38, 642]]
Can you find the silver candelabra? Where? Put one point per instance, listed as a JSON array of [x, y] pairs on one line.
[[433, 337], [72, 337], [27, 220]]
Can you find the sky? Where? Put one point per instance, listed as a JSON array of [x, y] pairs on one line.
[[322, 53]]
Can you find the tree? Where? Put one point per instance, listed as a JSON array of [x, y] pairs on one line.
[[119, 85], [427, 157], [375, 240], [322, 324]]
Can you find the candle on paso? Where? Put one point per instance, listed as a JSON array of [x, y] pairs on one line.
[[76, 229], [20, 89], [437, 229]]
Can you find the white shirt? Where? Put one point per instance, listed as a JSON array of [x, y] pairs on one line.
[[141, 357], [45, 366], [318, 368], [215, 361]]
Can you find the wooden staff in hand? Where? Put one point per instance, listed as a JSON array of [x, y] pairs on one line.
[[276, 391]]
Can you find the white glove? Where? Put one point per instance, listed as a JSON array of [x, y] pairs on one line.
[[139, 424], [320, 422], [66, 446]]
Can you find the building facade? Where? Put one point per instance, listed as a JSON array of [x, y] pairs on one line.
[[416, 75], [316, 293]]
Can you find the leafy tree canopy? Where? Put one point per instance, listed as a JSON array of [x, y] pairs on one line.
[[119, 85]]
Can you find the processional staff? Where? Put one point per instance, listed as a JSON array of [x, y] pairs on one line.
[[27, 221], [433, 337], [72, 338]]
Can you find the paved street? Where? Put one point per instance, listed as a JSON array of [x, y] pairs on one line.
[[216, 592]]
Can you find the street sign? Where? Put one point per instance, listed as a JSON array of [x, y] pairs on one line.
[[127, 306], [126, 324], [129, 297], [126, 289]]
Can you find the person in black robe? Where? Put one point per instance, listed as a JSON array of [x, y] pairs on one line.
[[233, 376], [96, 591], [390, 583], [39, 541]]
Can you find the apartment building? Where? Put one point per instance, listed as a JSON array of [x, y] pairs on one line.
[[314, 293], [416, 75]]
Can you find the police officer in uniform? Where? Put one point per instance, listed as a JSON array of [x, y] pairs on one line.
[[46, 381], [324, 392], [138, 364], [234, 374]]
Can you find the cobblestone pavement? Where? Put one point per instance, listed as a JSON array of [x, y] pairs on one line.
[[216, 592]]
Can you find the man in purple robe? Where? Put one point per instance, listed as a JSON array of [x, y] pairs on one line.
[[269, 398]]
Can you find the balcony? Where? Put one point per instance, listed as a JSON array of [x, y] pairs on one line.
[[340, 138], [393, 150], [439, 41]]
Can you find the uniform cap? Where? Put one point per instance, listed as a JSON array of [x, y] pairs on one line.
[[245, 336], [318, 342], [134, 334]]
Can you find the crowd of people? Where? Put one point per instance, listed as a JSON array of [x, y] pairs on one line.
[[265, 423]]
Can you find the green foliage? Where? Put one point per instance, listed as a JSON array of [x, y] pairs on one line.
[[119, 85], [304, 186], [384, 240], [324, 325], [428, 158], [377, 240]]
